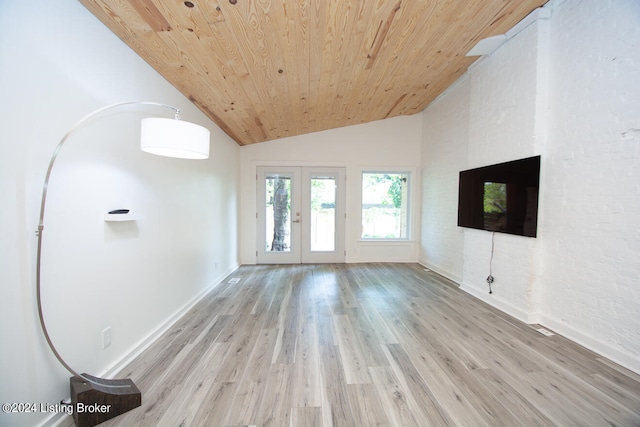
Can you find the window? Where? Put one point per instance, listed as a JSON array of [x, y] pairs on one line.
[[385, 205]]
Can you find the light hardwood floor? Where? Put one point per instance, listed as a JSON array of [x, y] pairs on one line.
[[368, 344]]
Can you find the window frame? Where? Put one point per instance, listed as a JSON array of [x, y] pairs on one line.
[[409, 173]]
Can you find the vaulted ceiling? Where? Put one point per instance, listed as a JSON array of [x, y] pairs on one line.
[[268, 69]]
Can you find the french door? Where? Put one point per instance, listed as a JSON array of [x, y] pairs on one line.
[[301, 215]]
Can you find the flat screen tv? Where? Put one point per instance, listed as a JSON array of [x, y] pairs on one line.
[[501, 197]]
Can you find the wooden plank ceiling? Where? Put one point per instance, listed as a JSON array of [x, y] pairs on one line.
[[268, 69]]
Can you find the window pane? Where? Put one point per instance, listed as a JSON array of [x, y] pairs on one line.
[[385, 205], [323, 213], [278, 213]]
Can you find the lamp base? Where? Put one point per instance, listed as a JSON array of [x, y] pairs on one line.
[[94, 403]]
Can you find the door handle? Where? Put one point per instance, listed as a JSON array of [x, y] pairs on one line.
[[295, 220]]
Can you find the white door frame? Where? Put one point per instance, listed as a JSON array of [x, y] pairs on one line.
[[300, 212]]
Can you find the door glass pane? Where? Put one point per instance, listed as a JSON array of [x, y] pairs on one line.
[[278, 213], [323, 213]]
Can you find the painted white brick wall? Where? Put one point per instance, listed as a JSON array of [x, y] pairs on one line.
[[489, 116], [503, 107], [503, 102], [566, 88], [446, 133], [592, 196]]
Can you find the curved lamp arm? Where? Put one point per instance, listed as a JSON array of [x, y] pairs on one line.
[[40, 229]]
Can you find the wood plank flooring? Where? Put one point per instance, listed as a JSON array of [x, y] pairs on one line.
[[368, 344]]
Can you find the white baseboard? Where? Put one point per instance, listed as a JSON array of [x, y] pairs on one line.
[[627, 360], [500, 304], [142, 345], [490, 299], [624, 359], [453, 277]]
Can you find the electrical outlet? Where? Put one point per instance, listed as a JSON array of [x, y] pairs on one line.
[[106, 337]]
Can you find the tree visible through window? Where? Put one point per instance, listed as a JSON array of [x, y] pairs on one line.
[[278, 226], [385, 203]]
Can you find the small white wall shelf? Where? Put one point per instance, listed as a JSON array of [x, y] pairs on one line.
[[120, 217]]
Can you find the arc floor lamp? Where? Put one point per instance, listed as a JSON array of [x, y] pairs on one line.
[[94, 399]]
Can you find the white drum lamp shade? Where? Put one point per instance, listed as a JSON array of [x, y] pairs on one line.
[[174, 138]]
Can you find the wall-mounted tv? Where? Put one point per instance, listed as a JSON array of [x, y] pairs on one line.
[[501, 197]]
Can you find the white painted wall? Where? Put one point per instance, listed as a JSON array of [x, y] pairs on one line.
[[566, 88], [444, 153], [592, 193], [57, 64], [488, 116], [392, 144]]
